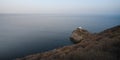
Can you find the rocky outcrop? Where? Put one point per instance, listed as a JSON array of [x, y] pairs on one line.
[[80, 34], [101, 46]]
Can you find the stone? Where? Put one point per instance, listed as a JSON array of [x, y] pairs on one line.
[[78, 35]]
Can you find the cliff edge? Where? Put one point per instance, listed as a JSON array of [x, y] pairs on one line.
[[101, 46]]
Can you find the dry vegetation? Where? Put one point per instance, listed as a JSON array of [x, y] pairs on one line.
[[101, 46]]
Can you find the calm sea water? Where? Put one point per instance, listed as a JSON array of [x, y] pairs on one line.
[[25, 34]]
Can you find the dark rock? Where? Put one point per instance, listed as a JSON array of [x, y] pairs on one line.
[[79, 34]]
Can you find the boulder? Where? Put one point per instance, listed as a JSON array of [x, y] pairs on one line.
[[78, 35]]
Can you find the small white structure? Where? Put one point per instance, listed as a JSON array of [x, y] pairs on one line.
[[80, 27]]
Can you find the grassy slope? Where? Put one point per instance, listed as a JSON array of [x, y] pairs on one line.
[[102, 46]]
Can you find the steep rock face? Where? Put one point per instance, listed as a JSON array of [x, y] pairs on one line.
[[101, 46], [79, 34]]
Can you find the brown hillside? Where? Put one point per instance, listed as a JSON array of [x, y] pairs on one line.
[[101, 46]]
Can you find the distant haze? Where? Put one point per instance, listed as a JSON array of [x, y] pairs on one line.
[[60, 6]]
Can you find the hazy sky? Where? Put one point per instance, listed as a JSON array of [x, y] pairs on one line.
[[61, 6]]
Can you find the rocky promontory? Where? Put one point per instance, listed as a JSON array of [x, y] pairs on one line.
[[80, 34], [101, 46]]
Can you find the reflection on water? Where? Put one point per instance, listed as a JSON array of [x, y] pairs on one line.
[[27, 34]]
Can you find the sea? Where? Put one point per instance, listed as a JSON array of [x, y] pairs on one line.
[[25, 34]]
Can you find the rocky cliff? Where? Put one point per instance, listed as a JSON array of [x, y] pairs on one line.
[[101, 46], [79, 35]]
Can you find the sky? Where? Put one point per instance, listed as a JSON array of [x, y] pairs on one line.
[[60, 6]]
